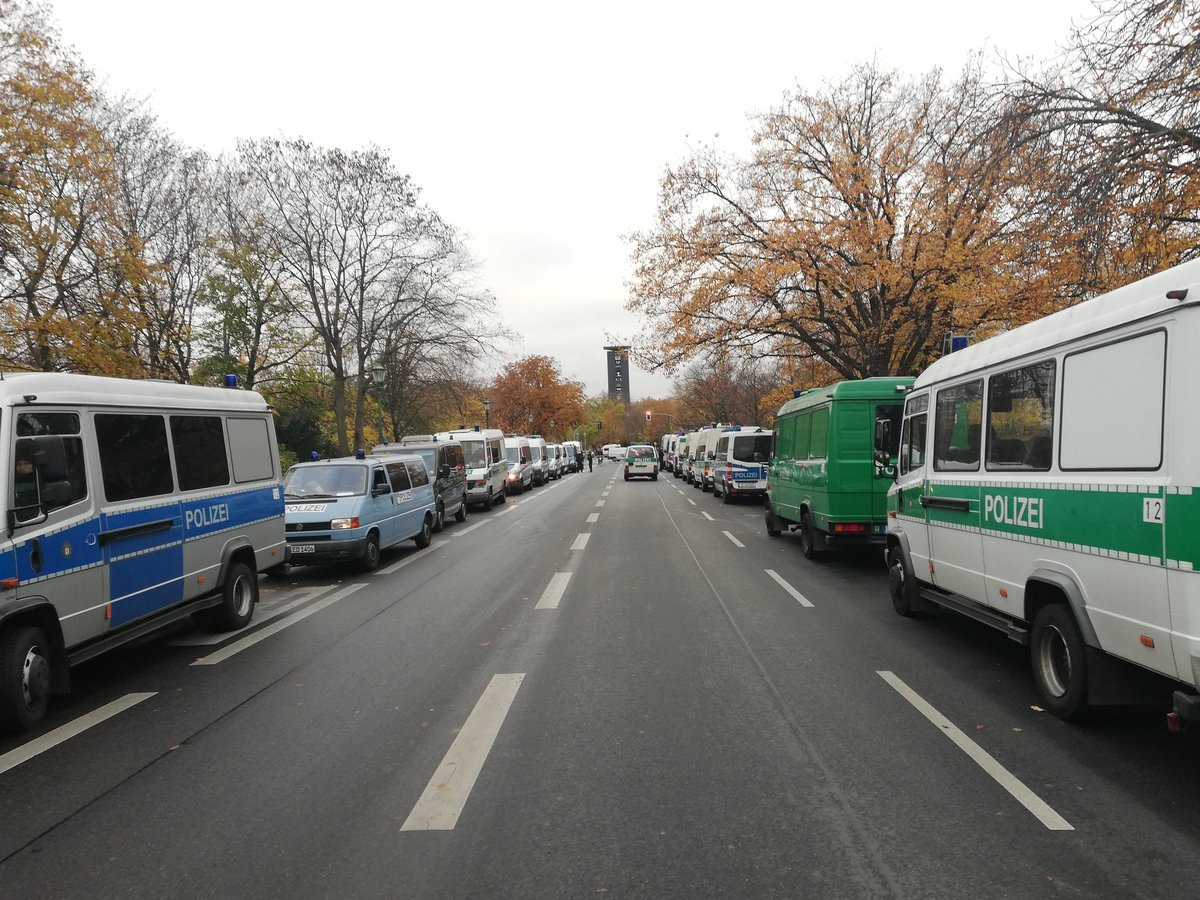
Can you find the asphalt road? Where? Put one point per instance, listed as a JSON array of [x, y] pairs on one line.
[[522, 711]]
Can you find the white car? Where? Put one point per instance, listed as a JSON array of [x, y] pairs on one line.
[[641, 460]]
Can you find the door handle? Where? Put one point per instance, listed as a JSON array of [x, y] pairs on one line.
[[955, 503]]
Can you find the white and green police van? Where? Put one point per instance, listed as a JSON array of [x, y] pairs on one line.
[[130, 505], [487, 466], [1048, 484]]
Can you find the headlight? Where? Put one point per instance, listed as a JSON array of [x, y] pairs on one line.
[[336, 524]]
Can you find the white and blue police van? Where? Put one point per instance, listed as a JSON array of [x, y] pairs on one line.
[[349, 509], [129, 505], [739, 467]]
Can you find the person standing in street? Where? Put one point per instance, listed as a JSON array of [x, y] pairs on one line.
[[589, 460]]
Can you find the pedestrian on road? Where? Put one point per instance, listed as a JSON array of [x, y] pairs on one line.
[[589, 460]]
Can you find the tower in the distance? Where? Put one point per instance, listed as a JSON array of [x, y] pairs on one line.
[[618, 373]]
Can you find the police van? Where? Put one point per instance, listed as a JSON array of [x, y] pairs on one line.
[[740, 462], [348, 510], [487, 467], [1048, 484], [129, 505]]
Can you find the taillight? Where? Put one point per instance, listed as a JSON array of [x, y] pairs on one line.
[[849, 528]]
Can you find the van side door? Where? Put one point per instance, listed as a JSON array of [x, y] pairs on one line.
[[909, 489], [401, 501], [379, 504]]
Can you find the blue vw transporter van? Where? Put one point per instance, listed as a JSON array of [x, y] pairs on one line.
[[348, 510]]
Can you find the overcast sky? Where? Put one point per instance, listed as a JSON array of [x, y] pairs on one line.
[[541, 130]]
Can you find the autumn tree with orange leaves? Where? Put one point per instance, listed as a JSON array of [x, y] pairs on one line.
[[872, 219], [530, 393]]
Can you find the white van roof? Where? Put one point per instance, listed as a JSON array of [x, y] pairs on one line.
[[16, 389]]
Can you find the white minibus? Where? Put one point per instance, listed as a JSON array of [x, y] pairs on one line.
[[483, 450], [130, 505]]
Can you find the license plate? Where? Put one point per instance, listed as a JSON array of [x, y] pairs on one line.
[[303, 548]]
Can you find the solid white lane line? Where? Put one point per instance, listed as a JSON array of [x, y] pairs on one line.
[[593, 518], [470, 528], [736, 542], [207, 640], [787, 587], [26, 752], [982, 758], [554, 591], [446, 794], [581, 541], [396, 567], [691, 501], [237, 647], [600, 502], [707, 516]]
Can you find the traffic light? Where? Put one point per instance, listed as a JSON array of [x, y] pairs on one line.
[[648, 415]]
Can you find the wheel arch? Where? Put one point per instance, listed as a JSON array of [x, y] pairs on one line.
[[237, 550], [40, 613], [1045, 587]]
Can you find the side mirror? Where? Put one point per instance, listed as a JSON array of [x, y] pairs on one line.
[[50, 457], [883, 465], [883, 434], [444, 471], [380, 490], [56, 494]]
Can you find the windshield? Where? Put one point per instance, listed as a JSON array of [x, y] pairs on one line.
[[473, 454], [752, 448], [313, 482], [513, 454], [641, 452], [430, 457]]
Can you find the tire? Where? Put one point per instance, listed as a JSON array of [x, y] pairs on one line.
[[808, 538], [626, 476], [654, 478], [239, 594], [461, 514], [774, 526], [503, 495], [425, 536], [24, 677], [902, 583], [439, 519], [1059, 659], [370, 557], [725, 498]]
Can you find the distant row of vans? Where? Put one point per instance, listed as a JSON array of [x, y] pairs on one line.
[[729, 460]]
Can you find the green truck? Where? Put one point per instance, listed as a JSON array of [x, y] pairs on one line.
[[823, 479]]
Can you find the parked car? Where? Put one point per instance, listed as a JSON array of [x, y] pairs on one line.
[[537, 455], [641, 460], [520, 463], [554, 455], [348, 510], [487, 469], [447, 467]]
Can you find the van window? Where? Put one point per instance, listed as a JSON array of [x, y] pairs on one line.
[[65, 424], [398, 472], [803, 437], [379, 479], [957, 425], [818, 447], [752, 448], [513, 454], [1112, 405], [134, 460], [1021, 419], [417, 473], [316, 481], [912, 444], [474, 453], [199, 443], [251, 448], [722, 447]]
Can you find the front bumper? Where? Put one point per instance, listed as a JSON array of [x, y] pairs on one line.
[[326, 551]]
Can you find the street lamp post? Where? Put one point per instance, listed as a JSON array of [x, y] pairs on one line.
[[552, 429], [378, 376], [487, 413], [531, 423]]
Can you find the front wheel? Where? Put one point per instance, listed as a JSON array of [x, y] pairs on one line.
[[425, 536], [24, 677], [439, 519], [370, 557], [725, 497], [461, 515], [1059, 662], [902, 584]]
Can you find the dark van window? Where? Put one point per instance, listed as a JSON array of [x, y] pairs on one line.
[[957, 424], [134, 461], [25, 482], [399, 475], [894, 413], [200, 460], [1021, 418], [454, 455], [416, 471], [379, 479]]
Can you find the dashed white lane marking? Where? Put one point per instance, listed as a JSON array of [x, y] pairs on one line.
[[554, 591], [605, 493], [736, 542], [412, 557], [581, 541], [691, 501], [470, 528], [207, 640], [803, 601], [238, 646], [678, 491], [446, 794], [26, 752], [593, 518], [600, 502], [707, 516], [982, 758]]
